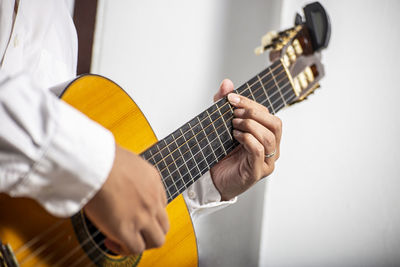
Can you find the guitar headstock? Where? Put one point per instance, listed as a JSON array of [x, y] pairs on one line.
[[299, 49]]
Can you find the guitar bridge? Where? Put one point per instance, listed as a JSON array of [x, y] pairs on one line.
[[7, 258]]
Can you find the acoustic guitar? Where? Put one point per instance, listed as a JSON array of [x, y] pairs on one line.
[[32, 237]]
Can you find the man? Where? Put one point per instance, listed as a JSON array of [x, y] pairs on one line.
[[46, 155]]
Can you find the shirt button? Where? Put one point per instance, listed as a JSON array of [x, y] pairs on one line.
[[16, 41], [191, 194]]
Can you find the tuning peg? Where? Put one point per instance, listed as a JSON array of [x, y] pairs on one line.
[[267, 39], [266, 42], [259, 50]]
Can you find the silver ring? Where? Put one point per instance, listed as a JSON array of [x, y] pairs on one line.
[[270, 155]]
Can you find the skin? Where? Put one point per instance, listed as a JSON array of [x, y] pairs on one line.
[[130, 209], [259, 134]]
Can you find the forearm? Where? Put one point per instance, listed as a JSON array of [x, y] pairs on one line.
[[48, 150]]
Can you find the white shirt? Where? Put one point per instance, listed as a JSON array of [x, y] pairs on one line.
[[48, 150]]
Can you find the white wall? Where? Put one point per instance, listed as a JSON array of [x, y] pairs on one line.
[[171, 56], [334, 199]]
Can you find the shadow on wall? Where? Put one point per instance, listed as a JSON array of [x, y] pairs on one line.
[[231, 237]]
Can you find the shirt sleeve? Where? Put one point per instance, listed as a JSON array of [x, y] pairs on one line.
[[48, 150], [203, 198]]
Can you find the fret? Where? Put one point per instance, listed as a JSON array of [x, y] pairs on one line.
[[179, 159], [227, 118], [189, 162], [197, 138], [206, 143], [286, 88], [251, 91], [211, 135], [190, 151], [279, 91], [243, 90], [223, 108], [215, 130], [173, 168], [266, 96], [258, 91], [148, 156], [272, 94], [277, 85]]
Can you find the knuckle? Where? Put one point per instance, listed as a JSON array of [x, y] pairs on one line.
[[247, 123], [138, 248], [160, 241], [278, 124], [135, 246], [269, 140], [259, 150], [251, 112], [247, 138]]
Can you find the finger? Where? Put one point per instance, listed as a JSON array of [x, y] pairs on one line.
[[253, 147], [270, 121], [162, 218], [153, 235], [261, 133], [225, 88], [164, 199], [133, 243], [249, 109], [113, 246]]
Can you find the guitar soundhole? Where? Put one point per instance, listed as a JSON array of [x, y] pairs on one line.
[[92, 242], [98, 237]]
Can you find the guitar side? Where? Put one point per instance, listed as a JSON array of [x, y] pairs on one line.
[[106, 103]]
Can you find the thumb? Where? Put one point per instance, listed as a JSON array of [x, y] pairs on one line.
[[225, 88]]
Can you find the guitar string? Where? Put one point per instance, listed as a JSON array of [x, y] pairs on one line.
[[38, 237], [200, 149], [184, 162], [81, 258], [73, 251], [100, 243], [191, 127], [97, 232], [27, 245], [254, 83], [194, 136], [42, 248], [248, 87], [283, 87]]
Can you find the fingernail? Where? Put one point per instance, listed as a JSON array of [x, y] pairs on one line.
[[236, 133], [236, 121], [234, 98]]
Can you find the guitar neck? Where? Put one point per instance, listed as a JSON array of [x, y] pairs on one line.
[[185, 155]]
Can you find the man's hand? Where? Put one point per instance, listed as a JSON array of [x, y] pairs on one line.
[[259, 134], [130, 207]]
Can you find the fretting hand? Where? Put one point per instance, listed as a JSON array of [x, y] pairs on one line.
[[259, 134]]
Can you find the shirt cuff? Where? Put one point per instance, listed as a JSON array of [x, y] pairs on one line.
[[203, 198], [74, 165]]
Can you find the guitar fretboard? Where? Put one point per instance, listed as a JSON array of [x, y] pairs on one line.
[[185, 155]]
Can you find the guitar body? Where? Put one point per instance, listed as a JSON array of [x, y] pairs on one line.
[[29, 236], [39, 239]]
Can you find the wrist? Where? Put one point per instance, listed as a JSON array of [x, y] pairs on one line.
[[218, 184]]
